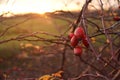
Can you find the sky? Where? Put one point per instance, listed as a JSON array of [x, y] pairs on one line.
[[42, 6]]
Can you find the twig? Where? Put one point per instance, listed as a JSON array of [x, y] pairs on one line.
[[106, 34], [85, 28], [10, 27], [91, 65], [92, 75], [116, 75]]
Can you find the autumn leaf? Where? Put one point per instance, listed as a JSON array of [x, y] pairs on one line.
[[45, 77], [58, 74]]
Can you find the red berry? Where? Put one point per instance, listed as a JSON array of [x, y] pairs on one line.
[[70, 35], [74, 41], [84, 37], [85, 42], [116, 18], [79, 32], [78, 50]]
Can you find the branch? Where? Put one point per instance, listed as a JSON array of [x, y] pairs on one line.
[[10, 27], [92, 75]]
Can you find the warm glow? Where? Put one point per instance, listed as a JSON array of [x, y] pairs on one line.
[[24, 7], [41, 6], [35, 6]]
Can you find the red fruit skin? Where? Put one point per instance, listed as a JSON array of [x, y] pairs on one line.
[[74, 41], [116, 18], [70, 35], [79, 32], [85, 42], [78, 50]]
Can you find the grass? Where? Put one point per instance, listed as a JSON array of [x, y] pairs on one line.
[[36, 23]]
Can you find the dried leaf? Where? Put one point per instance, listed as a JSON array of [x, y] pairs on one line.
[[58, 74]]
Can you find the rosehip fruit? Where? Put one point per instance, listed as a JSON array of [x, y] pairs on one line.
[[85, 42], [79, 32], [116, 18], [70, 35], [84, 37], [74, 41], [78, 50]]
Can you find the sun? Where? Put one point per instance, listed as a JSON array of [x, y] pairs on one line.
[[44, 7]]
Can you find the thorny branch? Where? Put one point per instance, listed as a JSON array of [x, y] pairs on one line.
[[10, 27], [106, 34]]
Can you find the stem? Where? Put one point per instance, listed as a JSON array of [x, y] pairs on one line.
[[91, 65]]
